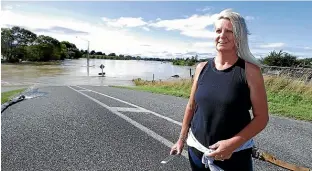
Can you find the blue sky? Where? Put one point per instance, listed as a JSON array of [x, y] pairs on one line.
[[163, 29]]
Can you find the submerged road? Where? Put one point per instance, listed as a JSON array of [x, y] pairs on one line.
[[106, 128]]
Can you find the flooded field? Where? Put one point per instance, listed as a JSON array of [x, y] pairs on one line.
[[74, 72]]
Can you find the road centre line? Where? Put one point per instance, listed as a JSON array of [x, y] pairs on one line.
[[141, 108], [134, 123]]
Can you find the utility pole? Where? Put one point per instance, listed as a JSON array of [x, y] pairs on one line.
[[87, 53], [88, 57]]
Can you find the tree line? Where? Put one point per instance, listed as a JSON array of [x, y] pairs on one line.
[[113, 56], [189, 61], [284, 59], [280, 59], [19, 44]]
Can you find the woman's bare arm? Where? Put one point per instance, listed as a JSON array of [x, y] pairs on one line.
[[259, 105]]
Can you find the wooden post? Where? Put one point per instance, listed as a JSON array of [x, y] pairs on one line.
[[190, 72], [153, 77]]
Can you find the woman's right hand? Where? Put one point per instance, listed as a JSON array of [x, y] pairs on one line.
[[177, 148]]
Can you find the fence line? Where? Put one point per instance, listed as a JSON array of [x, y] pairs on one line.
[[301, 74]]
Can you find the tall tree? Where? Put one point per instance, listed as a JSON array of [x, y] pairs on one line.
[[23, 37], [49, 48], [7, 43]]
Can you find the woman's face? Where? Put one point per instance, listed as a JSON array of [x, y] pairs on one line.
[[224, 39]]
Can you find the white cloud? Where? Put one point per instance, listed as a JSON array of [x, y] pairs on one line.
[[124, 22], [272, 45], [263, 49], [308, 48], [199, 33], [101, 37], [33, 21], [192, 22], [194, 26], [145, 28], [111, 35]]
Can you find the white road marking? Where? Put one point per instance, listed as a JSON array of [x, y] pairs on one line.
[[134, 123], [83, 90], [127, 109], [143, 109]]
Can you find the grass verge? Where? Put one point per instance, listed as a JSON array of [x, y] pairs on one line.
[[6, 96], [286, 97]]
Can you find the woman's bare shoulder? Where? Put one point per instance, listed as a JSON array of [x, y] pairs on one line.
[[252, 68], [200, 66], [254, 76], [198, 69]]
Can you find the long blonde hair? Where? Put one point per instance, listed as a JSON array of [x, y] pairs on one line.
[[241, 32]]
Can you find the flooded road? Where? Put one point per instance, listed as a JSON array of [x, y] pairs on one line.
[[74, 72]]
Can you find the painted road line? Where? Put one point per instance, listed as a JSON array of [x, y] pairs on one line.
[[126, 109], [134, 123], [83, 90], [143, 109]]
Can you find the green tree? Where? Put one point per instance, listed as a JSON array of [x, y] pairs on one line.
[[23, 37], [33, 53], [138, 58], [64, 51], [7, 43], [49, 48], [112, 54], [69, 50], [19, 43], [14, 42], [289, 60], [98, 53], [273, 59], [306, 62], [282, 59]]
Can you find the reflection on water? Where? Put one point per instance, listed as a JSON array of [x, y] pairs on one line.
[[74, 72]]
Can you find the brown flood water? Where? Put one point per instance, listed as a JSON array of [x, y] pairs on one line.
[[74, 72]]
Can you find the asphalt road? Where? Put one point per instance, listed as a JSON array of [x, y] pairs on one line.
[[73, 128]]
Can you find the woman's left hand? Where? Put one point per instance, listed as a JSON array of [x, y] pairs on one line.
[[223, 150]]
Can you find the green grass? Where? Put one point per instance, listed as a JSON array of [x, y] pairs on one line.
[[179, 88], [290, 105], [288, 98], [6, 96]]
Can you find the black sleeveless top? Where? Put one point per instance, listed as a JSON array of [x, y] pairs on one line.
[[222, 103]]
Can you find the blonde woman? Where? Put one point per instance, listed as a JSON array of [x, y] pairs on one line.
[[217, 125]]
